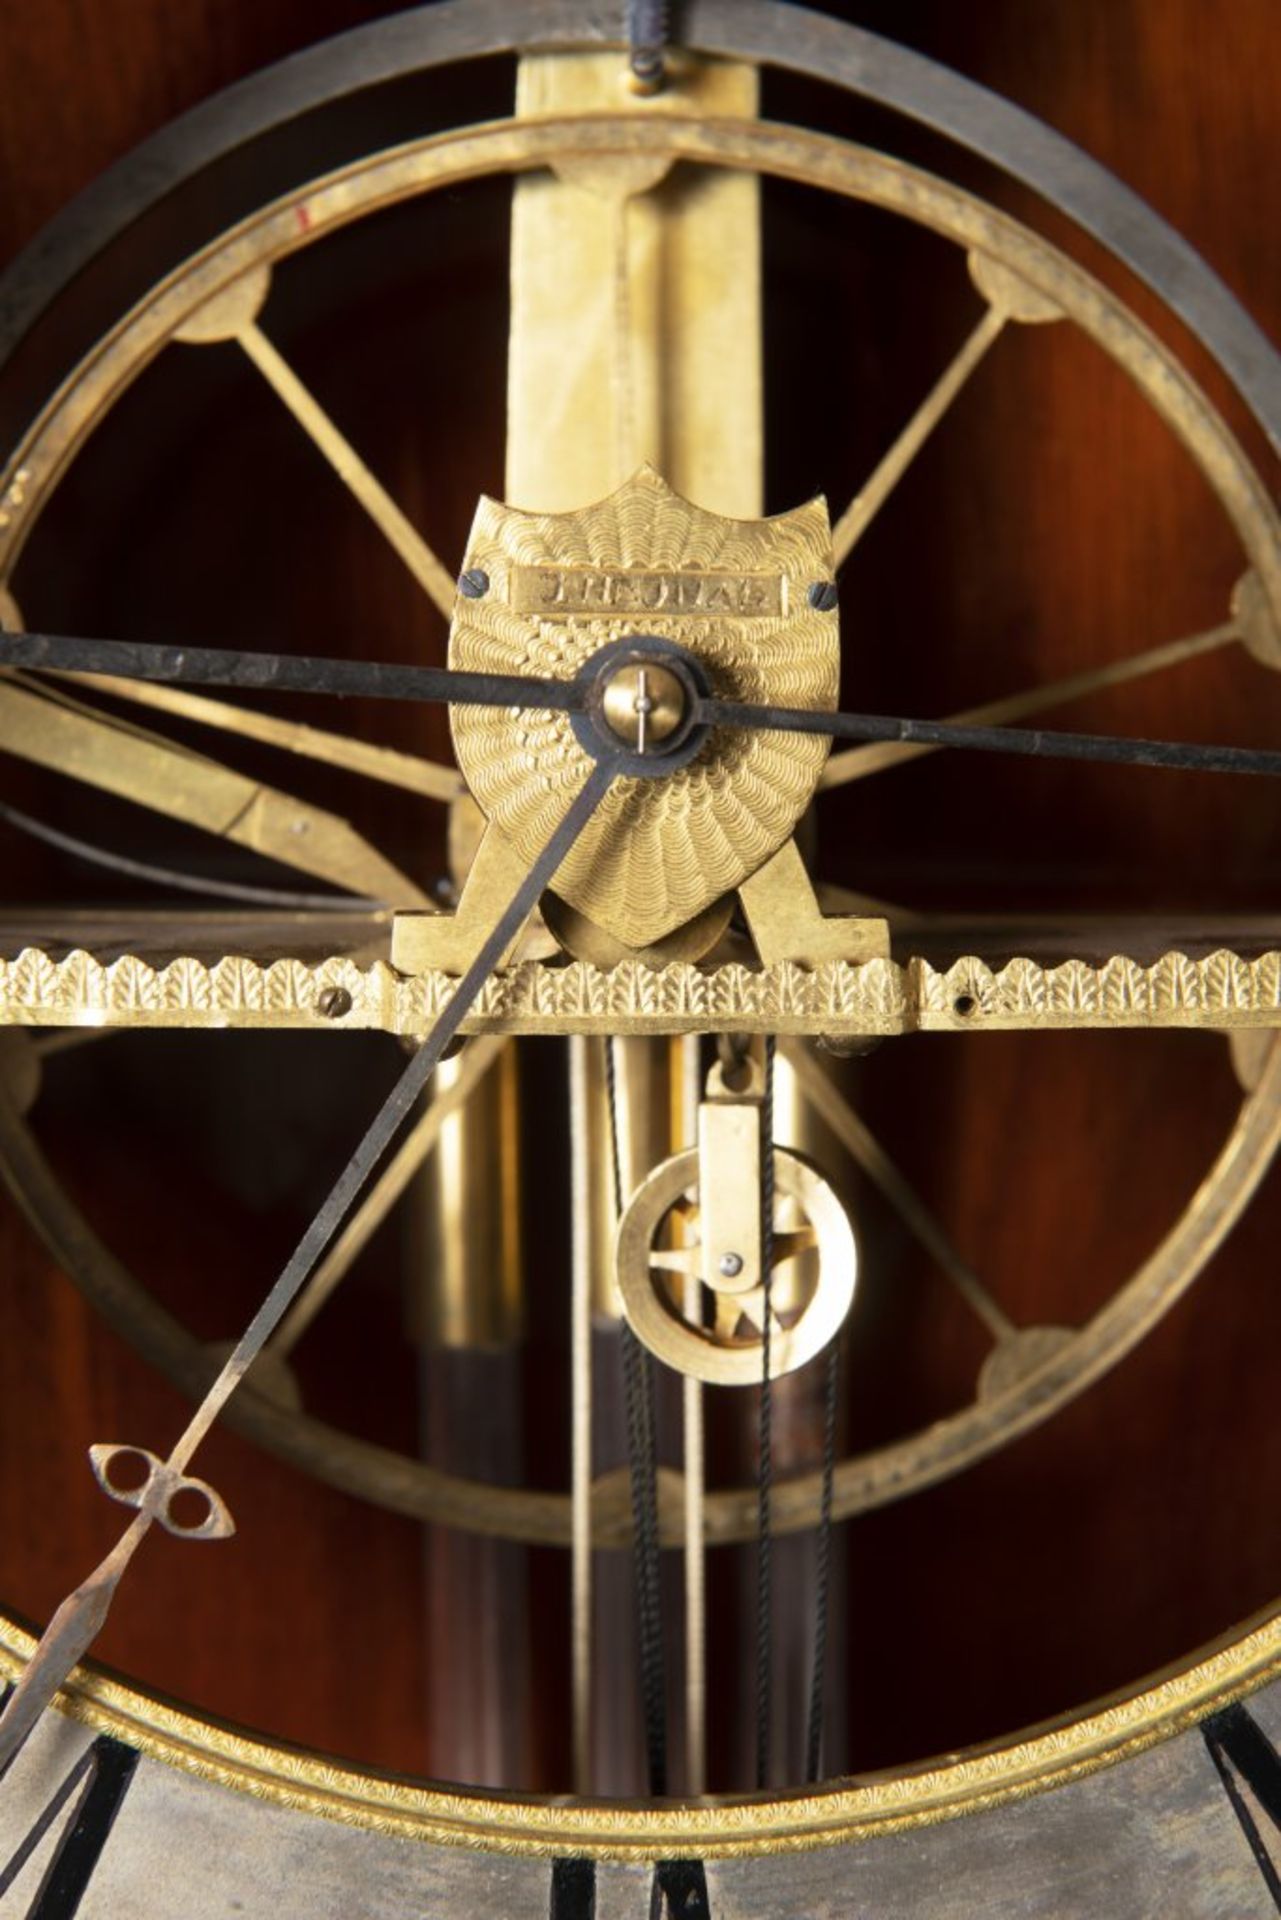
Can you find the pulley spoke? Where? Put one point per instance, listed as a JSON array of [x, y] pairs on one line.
[[791, 1245], [677, 1259]]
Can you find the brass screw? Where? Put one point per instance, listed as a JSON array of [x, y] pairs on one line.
[[334, 1003]]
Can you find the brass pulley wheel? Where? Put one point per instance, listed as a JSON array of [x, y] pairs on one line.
[[814, 1257]]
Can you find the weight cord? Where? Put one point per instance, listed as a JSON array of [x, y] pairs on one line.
[[638, 1397], [765, 1476], [823, 1571]]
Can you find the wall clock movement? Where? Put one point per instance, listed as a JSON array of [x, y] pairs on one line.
[[639, 753]]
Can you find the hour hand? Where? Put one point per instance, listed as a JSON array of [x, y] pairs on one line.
[[373, 680], [80, 1618], [279, 672]]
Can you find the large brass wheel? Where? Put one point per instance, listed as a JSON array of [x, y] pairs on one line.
[[217, 299]]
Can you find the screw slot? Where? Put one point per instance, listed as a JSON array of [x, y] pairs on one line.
[[334, 1002]]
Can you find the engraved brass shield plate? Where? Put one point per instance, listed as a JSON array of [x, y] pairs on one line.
[[736, 594]]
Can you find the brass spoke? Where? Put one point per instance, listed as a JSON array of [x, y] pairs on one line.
[[383, 1195], [731, 1308], [387, 764], [863, 1147], [350, 468], [677, 1259], [790, 1246], [869, 500], [857, 762], [44, 725]]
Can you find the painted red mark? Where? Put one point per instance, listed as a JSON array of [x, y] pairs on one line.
[[302, 215]]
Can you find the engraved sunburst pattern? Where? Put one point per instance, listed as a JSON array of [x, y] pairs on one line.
[[657, 852]]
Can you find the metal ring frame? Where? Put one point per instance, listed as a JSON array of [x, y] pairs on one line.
[[951, 1444], [794, 39]]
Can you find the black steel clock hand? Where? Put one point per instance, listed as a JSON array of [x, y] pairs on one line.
[[281, 672], [1030, 742], [268, 672], [81, 1615]]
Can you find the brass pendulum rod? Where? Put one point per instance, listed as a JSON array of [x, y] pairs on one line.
[[582, 1253]]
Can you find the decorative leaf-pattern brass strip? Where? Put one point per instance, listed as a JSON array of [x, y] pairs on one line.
[[1221, 990], [1051, 1756]]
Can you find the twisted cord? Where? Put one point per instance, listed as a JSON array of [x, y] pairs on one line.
[[638, 1400], [183, 882], [823, 1571]]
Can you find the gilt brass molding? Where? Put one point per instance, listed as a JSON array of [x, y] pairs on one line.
[[846, 1813], [880, 997]]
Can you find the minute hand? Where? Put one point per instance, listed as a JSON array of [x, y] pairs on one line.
[[1034, 742]]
